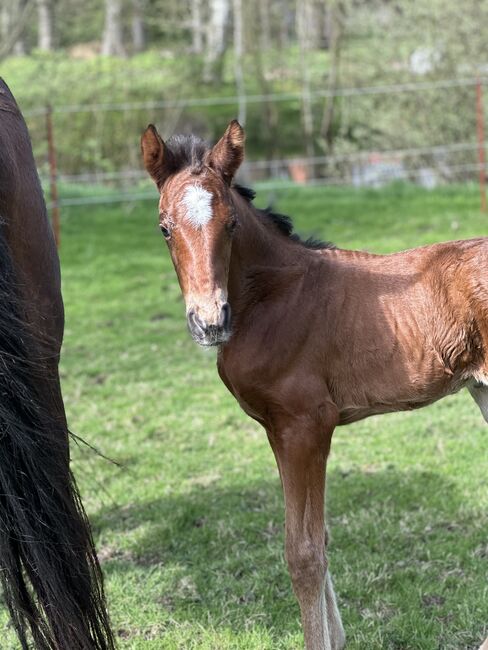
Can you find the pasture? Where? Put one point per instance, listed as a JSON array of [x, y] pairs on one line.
[[190, 527]]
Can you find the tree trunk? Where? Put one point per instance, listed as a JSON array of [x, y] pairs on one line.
[[196, 26], [286, 20], [334, 38], [238, 60], [112, 42], [307, 24], [304, 13], [5, 19], [268, 123], [138, 31], [12, 40], [265, 25], [15, 10], [216, 32], [45, 25]]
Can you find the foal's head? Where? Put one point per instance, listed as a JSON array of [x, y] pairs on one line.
[[197, 219]]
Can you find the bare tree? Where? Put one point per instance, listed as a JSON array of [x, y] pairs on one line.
[[238, 60], [138, 27], [14, 18], [335, 31], [308, 21], [20, 6], [285, 25], [216, 40], [5, 19], [112, 41], [45, 25], [265, 27], [196, 26], [304, 20], [259, 43]]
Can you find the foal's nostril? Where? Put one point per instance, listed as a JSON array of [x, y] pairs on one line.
[[196, 322], [210, 333], [225, 314]]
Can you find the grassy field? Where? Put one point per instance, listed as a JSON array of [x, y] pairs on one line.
[[190, 528]]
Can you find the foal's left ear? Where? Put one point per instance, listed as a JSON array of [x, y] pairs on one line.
[[226, 156], [156, 156]]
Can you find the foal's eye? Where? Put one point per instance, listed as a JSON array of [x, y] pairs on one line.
[[231, 226], [165, 231]]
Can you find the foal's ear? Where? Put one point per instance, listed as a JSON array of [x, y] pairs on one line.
[[226, 156], [157, 157]]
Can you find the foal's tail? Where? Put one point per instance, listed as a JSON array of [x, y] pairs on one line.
[[49, 571]]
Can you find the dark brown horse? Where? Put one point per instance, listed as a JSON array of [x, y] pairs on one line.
[[49, 569], [318, 336]]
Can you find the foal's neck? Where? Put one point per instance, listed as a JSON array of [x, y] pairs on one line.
[[259, 253]]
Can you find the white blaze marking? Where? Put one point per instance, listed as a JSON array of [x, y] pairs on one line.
[[198, 204]]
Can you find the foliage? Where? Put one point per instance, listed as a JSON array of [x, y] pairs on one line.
[[379, 44], [190, 528], [94, 140]]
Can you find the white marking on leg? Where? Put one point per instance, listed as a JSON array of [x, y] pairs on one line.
[[338, 638], [479, 392], [198, 204]]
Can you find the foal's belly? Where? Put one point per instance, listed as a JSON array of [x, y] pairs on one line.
[[351, 412]]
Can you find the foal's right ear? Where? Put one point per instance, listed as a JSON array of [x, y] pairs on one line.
[[156, 156], [226, 156]]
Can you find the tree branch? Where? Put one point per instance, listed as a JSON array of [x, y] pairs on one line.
[[16, 31]]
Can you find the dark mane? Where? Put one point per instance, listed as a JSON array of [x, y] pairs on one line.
[[282, 221]]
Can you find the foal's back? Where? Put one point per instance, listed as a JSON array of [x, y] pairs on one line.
[[403, 330]]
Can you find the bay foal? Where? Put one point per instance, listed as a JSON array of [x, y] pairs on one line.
[[318, 336]]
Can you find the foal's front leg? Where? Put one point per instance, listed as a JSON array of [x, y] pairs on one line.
[[301, 451]]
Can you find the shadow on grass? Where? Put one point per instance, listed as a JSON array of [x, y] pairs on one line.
[[222, 546]]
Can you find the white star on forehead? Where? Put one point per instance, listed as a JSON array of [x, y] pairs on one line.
[[198, 204]]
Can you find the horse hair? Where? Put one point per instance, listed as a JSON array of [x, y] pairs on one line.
[[50, 575], [187, 151], [283, 222], [43, 528]]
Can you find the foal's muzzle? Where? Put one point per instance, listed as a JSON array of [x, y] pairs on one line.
[[207, 334]]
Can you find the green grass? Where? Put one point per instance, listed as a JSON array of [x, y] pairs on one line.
[[190, 529]]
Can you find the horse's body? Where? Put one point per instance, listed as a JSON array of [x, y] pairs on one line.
[[319, 336], [365, 334], [49, 570]]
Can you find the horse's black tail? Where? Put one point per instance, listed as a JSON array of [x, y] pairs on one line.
[[49, 570]]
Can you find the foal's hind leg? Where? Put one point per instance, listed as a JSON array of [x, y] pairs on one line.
[[301, 448]]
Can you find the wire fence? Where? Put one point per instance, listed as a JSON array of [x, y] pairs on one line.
[[193, 102], [272, 185], [428, 164]]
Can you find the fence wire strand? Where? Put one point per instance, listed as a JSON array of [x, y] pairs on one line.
[[371, 167]]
